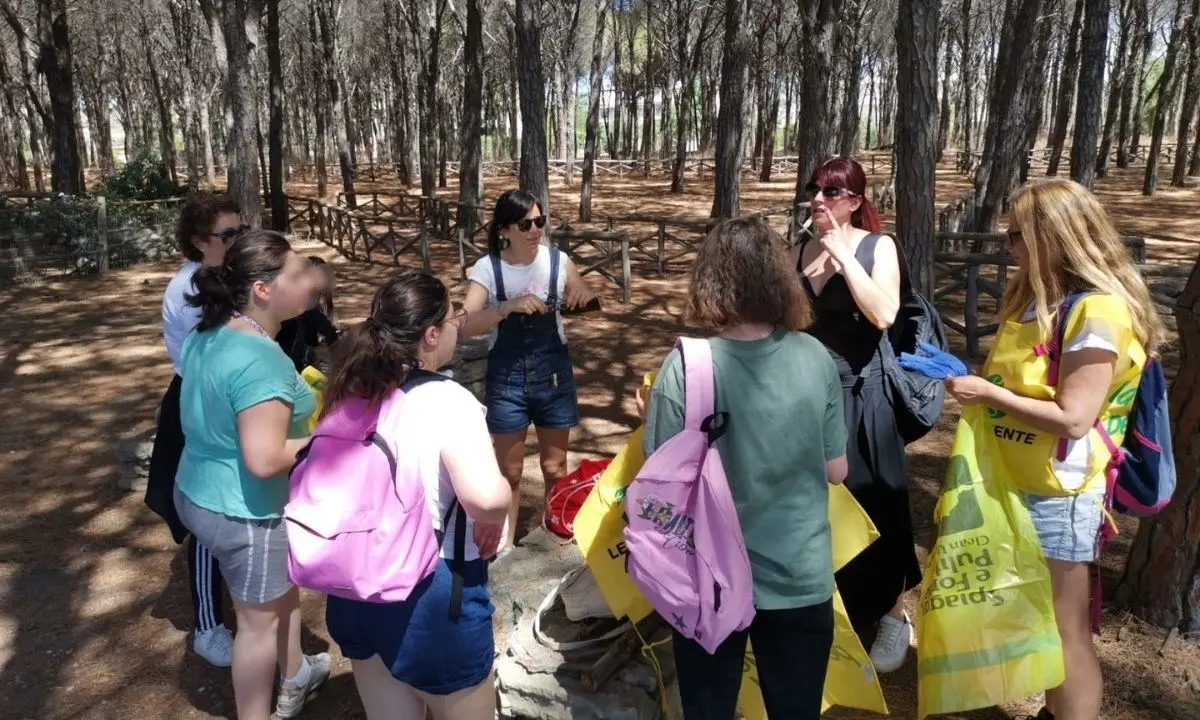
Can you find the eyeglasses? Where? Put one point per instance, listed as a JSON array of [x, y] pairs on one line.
[[229, 234], [831, 192], [457, 314], [525, 223]]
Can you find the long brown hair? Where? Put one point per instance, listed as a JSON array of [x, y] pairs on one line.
[[1074, 247], [376, 356], [744, 274]]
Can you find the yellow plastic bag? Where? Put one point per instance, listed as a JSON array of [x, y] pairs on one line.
[[600, 534], [850, 680], [985, 625], [316, 380]]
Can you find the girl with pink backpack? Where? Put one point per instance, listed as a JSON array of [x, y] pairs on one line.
[[768, 377], [416, 620]]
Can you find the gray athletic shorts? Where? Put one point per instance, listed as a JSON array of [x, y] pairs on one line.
[[252, 554]]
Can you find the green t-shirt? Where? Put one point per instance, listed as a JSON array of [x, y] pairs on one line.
[[784, 400], [224, 373]]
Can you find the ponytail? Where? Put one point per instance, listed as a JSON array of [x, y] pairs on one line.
[[221, 291], [215, 298], [376, 356]]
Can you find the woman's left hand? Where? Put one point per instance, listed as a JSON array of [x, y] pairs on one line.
[[970, 389]]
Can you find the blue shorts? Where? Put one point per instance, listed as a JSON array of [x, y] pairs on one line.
[[1068, 526], [537, 390], [416, 639]]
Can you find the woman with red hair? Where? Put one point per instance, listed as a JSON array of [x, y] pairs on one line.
[[854, 275]]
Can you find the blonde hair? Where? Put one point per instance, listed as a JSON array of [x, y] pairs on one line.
[[1073, 247]]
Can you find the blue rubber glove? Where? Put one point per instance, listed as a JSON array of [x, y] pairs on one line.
[[933, 363]]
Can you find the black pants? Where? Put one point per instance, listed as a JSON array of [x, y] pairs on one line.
[[791, 648], [204, 578]]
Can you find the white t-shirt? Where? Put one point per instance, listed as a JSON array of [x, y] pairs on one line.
[[432, 413], [521, 280], [179, 318]]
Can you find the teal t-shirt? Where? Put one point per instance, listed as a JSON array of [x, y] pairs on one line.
[[784, 400], [224, 373]]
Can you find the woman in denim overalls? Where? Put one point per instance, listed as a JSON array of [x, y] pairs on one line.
[[517, 291]]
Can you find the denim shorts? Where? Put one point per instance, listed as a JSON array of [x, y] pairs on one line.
[[416, 639], [1068, 526], [536, 390]]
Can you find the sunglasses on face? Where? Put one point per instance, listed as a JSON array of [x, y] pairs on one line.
[[229, 234], [830, 192], [524, 224]]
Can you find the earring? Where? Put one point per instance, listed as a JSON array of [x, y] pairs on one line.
[[505, 242]]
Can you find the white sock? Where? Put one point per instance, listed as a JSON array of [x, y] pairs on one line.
[[303, 675]]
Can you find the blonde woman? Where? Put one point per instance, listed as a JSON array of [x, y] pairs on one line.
[[1064, 243]]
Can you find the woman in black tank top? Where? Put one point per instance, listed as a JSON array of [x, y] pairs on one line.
[[853, 276]]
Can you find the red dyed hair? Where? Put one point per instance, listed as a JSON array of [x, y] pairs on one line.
[[846, 173]]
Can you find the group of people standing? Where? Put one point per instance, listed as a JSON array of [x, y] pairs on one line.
[[797, 370]]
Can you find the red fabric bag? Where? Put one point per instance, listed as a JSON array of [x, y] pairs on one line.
[[567, 496]]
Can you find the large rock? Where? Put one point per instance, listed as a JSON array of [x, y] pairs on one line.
[[537, 683], [133, 460]]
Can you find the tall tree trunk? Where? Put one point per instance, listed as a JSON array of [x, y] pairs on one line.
[[1162, 575], [966, 74], [1093, 47], [814, 131], [279, 208], [210, 164], [943, 138], [1130, 79], [1037, 90], [425, 20], [1138, 124], [534, 175], [595, 94], [11, 105], [916, 138], [567, 111], [56, 66], [1191, 100], [1115, 84], [237, 21], [614, 136], [1066, 90], [335, 100], [1007, 114], [514, 117], [320, 105], [848, 132], [648, 105], [1167, 85], [470, 191], [728, 176]]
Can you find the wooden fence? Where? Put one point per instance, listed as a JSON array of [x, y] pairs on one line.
[[977, 265], [1039, 158]]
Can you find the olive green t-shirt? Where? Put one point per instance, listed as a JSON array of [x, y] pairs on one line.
[[784, 401]]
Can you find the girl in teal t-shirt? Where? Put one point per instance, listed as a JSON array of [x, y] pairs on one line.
[[244, 411]]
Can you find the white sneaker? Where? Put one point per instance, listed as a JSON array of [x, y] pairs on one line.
[[891, 643], [215, 646], [292, 697]]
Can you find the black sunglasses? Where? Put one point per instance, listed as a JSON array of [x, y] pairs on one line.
[[525, 223], [230, 233], [829, 191]]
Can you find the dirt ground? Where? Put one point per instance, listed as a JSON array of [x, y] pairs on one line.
[[94, 608]]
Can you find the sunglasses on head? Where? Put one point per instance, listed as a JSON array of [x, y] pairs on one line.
[[230, 233], [525, 223], [829, 191]]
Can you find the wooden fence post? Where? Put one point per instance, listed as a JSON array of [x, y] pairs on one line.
[[626, 271], [662, 246], [971, 311], [102, 234]]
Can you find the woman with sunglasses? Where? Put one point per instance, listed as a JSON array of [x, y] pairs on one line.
[[853, 274], [207, 225], [517, 292]]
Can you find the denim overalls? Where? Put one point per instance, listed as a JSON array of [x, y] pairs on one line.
[[530, 379]]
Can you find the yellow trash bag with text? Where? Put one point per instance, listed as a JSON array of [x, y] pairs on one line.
[[600, 534], [986, 632], [316, 380]]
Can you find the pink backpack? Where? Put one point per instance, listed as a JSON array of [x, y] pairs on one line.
[[357, 522], [686, 552]]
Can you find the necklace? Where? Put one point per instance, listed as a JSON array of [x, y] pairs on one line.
[[252, 323]]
